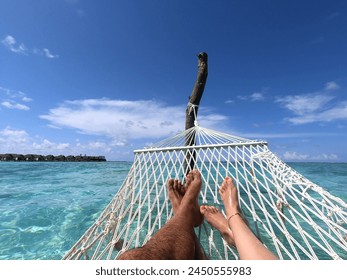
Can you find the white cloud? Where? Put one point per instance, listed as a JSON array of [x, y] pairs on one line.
[[211, 119], [339, 112], [295, 156], [243, 97], [17, 106], [20, 142], [304, 104], [48, 54], [48, 146], [11, 44], [325, 157], [331, 86], [11, 99], [98, 145], [229, 101], [315, 107], [8, 135], [26, 99], [45, 52], [285, 135], [122, 120], [14, 141], [256, 96], [14, 94]]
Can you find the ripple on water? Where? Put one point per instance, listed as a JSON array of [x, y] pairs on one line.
[[46, 207]]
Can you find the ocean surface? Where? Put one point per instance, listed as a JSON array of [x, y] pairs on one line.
[[46, 206]]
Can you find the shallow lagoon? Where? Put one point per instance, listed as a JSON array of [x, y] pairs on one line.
[[46, 206]]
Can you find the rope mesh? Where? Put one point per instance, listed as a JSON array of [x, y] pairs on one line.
[[293, 217]]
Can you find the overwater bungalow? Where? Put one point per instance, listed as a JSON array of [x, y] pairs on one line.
[[6, 157]]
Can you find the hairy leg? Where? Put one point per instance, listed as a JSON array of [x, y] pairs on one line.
[[193, 179], [176, 239], [176, 192]]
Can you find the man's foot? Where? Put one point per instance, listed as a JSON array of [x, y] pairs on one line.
[[193, 186], [176, 192], [193, 183], [229, 196], [216, 219]]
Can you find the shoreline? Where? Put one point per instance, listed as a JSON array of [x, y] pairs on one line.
[[49, 158]]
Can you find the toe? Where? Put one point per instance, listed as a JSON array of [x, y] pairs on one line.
[[188, 179], [170, 183]]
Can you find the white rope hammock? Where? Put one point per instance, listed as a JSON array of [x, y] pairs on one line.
[[293, 217]]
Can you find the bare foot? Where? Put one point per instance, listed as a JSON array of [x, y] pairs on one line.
[[229, 196], [176, 192], [193, 183], [216, 219], [193, 186]]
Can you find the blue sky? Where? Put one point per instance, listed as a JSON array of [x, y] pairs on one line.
[[107, 77]]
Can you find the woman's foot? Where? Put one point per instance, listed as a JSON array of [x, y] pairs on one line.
[[216, 219], [229, 196]]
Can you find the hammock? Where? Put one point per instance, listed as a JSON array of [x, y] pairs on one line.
[[293, 217]]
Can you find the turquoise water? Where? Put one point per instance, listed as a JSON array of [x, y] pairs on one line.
[[46, 207]]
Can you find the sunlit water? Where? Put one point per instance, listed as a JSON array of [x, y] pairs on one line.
[[46, 207]]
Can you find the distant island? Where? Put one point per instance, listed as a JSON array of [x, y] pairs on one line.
[[33, 157]]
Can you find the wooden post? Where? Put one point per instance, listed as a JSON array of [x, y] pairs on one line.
[[193, 106]]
